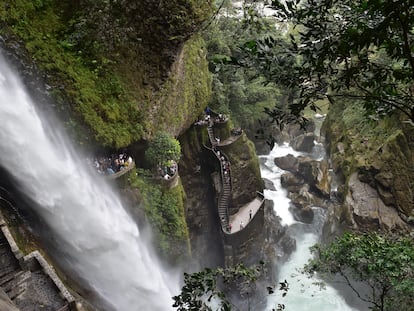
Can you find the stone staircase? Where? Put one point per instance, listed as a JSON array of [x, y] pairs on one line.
[[12, 278], [29, 281], [223, 205], [225, 194], [211, 133]]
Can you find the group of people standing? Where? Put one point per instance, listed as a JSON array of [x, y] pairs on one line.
[[210, 116], [112, 164], [168, 171]]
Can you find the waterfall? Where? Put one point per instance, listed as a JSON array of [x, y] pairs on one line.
[[96, 237], [303, 294]]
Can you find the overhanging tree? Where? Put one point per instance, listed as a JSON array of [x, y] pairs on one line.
[[356, 49], [203, 290], [385, 263]]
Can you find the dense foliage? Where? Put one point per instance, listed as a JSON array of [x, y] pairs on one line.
[[164, 209], [354, 49], [383, 262], [241, 93], [162, 149]]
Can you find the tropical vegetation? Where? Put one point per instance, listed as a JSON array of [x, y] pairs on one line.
[[383, 262], [162, 149], [361, 50]]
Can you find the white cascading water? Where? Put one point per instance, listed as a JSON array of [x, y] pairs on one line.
[[303, 294], [98, 238]]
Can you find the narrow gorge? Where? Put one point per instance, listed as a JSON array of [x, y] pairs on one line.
[[215, 171]]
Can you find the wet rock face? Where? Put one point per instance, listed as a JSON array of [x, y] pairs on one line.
[[282, 243], [268, 184], [367, 209], [304, 142], [305, 170], [301, 206], [296, 130], [291, 182], [288, 163], [302, 213]]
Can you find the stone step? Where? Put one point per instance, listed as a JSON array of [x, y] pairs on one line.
[[7, 259], [64, 308], [7, 274], [19, 284]]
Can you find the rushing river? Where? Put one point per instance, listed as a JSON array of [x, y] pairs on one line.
[[303, 294], [93, 233]]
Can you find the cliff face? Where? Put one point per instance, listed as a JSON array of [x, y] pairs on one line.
[[212, 243], [374, 165], [118, 70]]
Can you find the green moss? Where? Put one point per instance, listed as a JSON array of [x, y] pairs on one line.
[[245, 172], [187, 91], [164, 208], [192, 142], [367, 143], [88, 82]]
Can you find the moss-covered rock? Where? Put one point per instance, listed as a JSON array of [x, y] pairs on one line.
[[379, 152], [164, 209], [112, 66], [245, 171]]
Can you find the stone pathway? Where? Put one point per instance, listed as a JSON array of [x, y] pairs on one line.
[[229, 140], [242, 218]]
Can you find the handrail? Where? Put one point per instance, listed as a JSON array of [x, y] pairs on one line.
[[222, 200], [121, 172]]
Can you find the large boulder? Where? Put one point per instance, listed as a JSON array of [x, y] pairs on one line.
[[294, 130], [291, 182], [288, 163], [305, 170], [304, 142], [316, 175], [302, 213], [268, 184]]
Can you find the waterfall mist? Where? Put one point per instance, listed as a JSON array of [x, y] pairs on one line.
[[95, 236]]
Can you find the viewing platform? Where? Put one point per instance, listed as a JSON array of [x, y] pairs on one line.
[[121, 172], [245, 214], [168, 176]]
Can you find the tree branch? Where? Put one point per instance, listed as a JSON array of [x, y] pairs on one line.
[[348, 281], [405, 31]]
